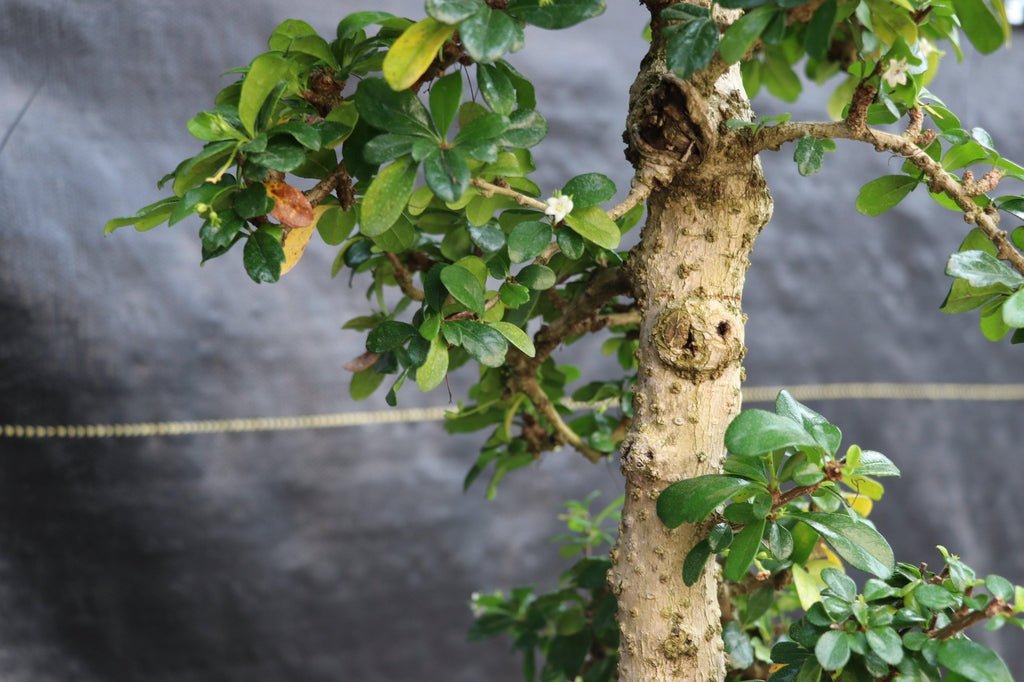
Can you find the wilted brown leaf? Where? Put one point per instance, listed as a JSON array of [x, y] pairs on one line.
[[291, 207]]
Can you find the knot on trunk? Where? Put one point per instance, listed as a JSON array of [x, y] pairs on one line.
[[699, 337]]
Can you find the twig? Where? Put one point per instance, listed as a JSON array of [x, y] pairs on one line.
[[962, 621], [638, 193], [489, 189], [339, 178], [404, 279], [939, 179], [527, 384]]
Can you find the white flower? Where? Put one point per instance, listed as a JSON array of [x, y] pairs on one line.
[[896, 72], [559, 206]]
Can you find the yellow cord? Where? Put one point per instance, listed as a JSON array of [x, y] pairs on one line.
[[753, 394]]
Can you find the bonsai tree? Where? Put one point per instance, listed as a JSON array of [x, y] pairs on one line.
[[406, 143]]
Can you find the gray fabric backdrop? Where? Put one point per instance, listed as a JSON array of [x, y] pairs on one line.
[[349, 555]]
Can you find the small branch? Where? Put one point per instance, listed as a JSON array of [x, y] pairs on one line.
[[938, 178], [962, 621], [404, 279], [488, 189], [527, 384], [618, 319], [638, 193], [338, 179]]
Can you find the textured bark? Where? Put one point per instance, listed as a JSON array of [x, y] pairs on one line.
[[688, 272]]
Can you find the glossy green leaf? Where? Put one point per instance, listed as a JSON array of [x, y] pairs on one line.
[[594, 225], [1013, 310], [488, 34], [841, 584], [497, 88], [527, 240], [974, 661], [981, 269], [364, 384], [485, 344], [464, 287], [447, 173], [389, 335], [432, 372], [147, 218], [555, 15], [780, 542], [857, 542], [445, 100], [514, 295], [211, 126], [876, 464], [692, 499], [757, 432], [810, 152], [263, 254], [741, 34], [265, 73], [826, 434], [589, 189], [400, 113], [489, 236], [935, 597], [526, 129], [743, 550], [881, 194], [453, 11], [696, 559], [832, 650], [387, 196], [571, 244], [537, 277], [690, 46], [280, 156], [516, 336]]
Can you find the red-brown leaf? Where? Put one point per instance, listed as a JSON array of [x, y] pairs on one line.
[[291, 207]]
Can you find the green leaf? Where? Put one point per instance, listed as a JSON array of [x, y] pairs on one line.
[[740, 36], [303, 133], [973, 661], [211, 126], [881, 194], [489, 236], [516, 336], [809, 153], [526, 129], [818, 37], [757, 432], [589, 189], [447, 173], [453, 11], [720, 537], [389, 335], [335, 225], [537, 277], [263, 254], [387, 147], [981, 269], [1013, 310], [527, 240], [778, 75], [497, 88], [743, 550], [485, 128], [365, 383], [400, 113], [826, 434], [832, 650], [253, 202], [487, 345], [983, 28], [280, 156], [691, 46], [464, 287], [264, 74], [857, 542], [514, 295], [1000, 587], [875, 464], [445, 100], [840, 584], [696, 559], [594, 225], [935, 597], [488, 35], [571, 244], [555, 15], [387, 196], [780, 542], [692, 499], [414, 51], [147, 218], [432, 372]]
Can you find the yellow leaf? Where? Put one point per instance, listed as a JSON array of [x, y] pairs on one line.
[[808, 580], [296, 240], [862, 504], [414, 51]]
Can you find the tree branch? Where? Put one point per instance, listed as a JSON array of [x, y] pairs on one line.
[[338, 179], [488, 189], [938, 178], [638, 192], [962, 621], [404, 278], [527, 384]]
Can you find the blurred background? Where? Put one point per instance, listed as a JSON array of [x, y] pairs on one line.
[[350, 554]]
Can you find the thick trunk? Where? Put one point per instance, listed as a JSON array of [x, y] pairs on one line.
[[708, 205]]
